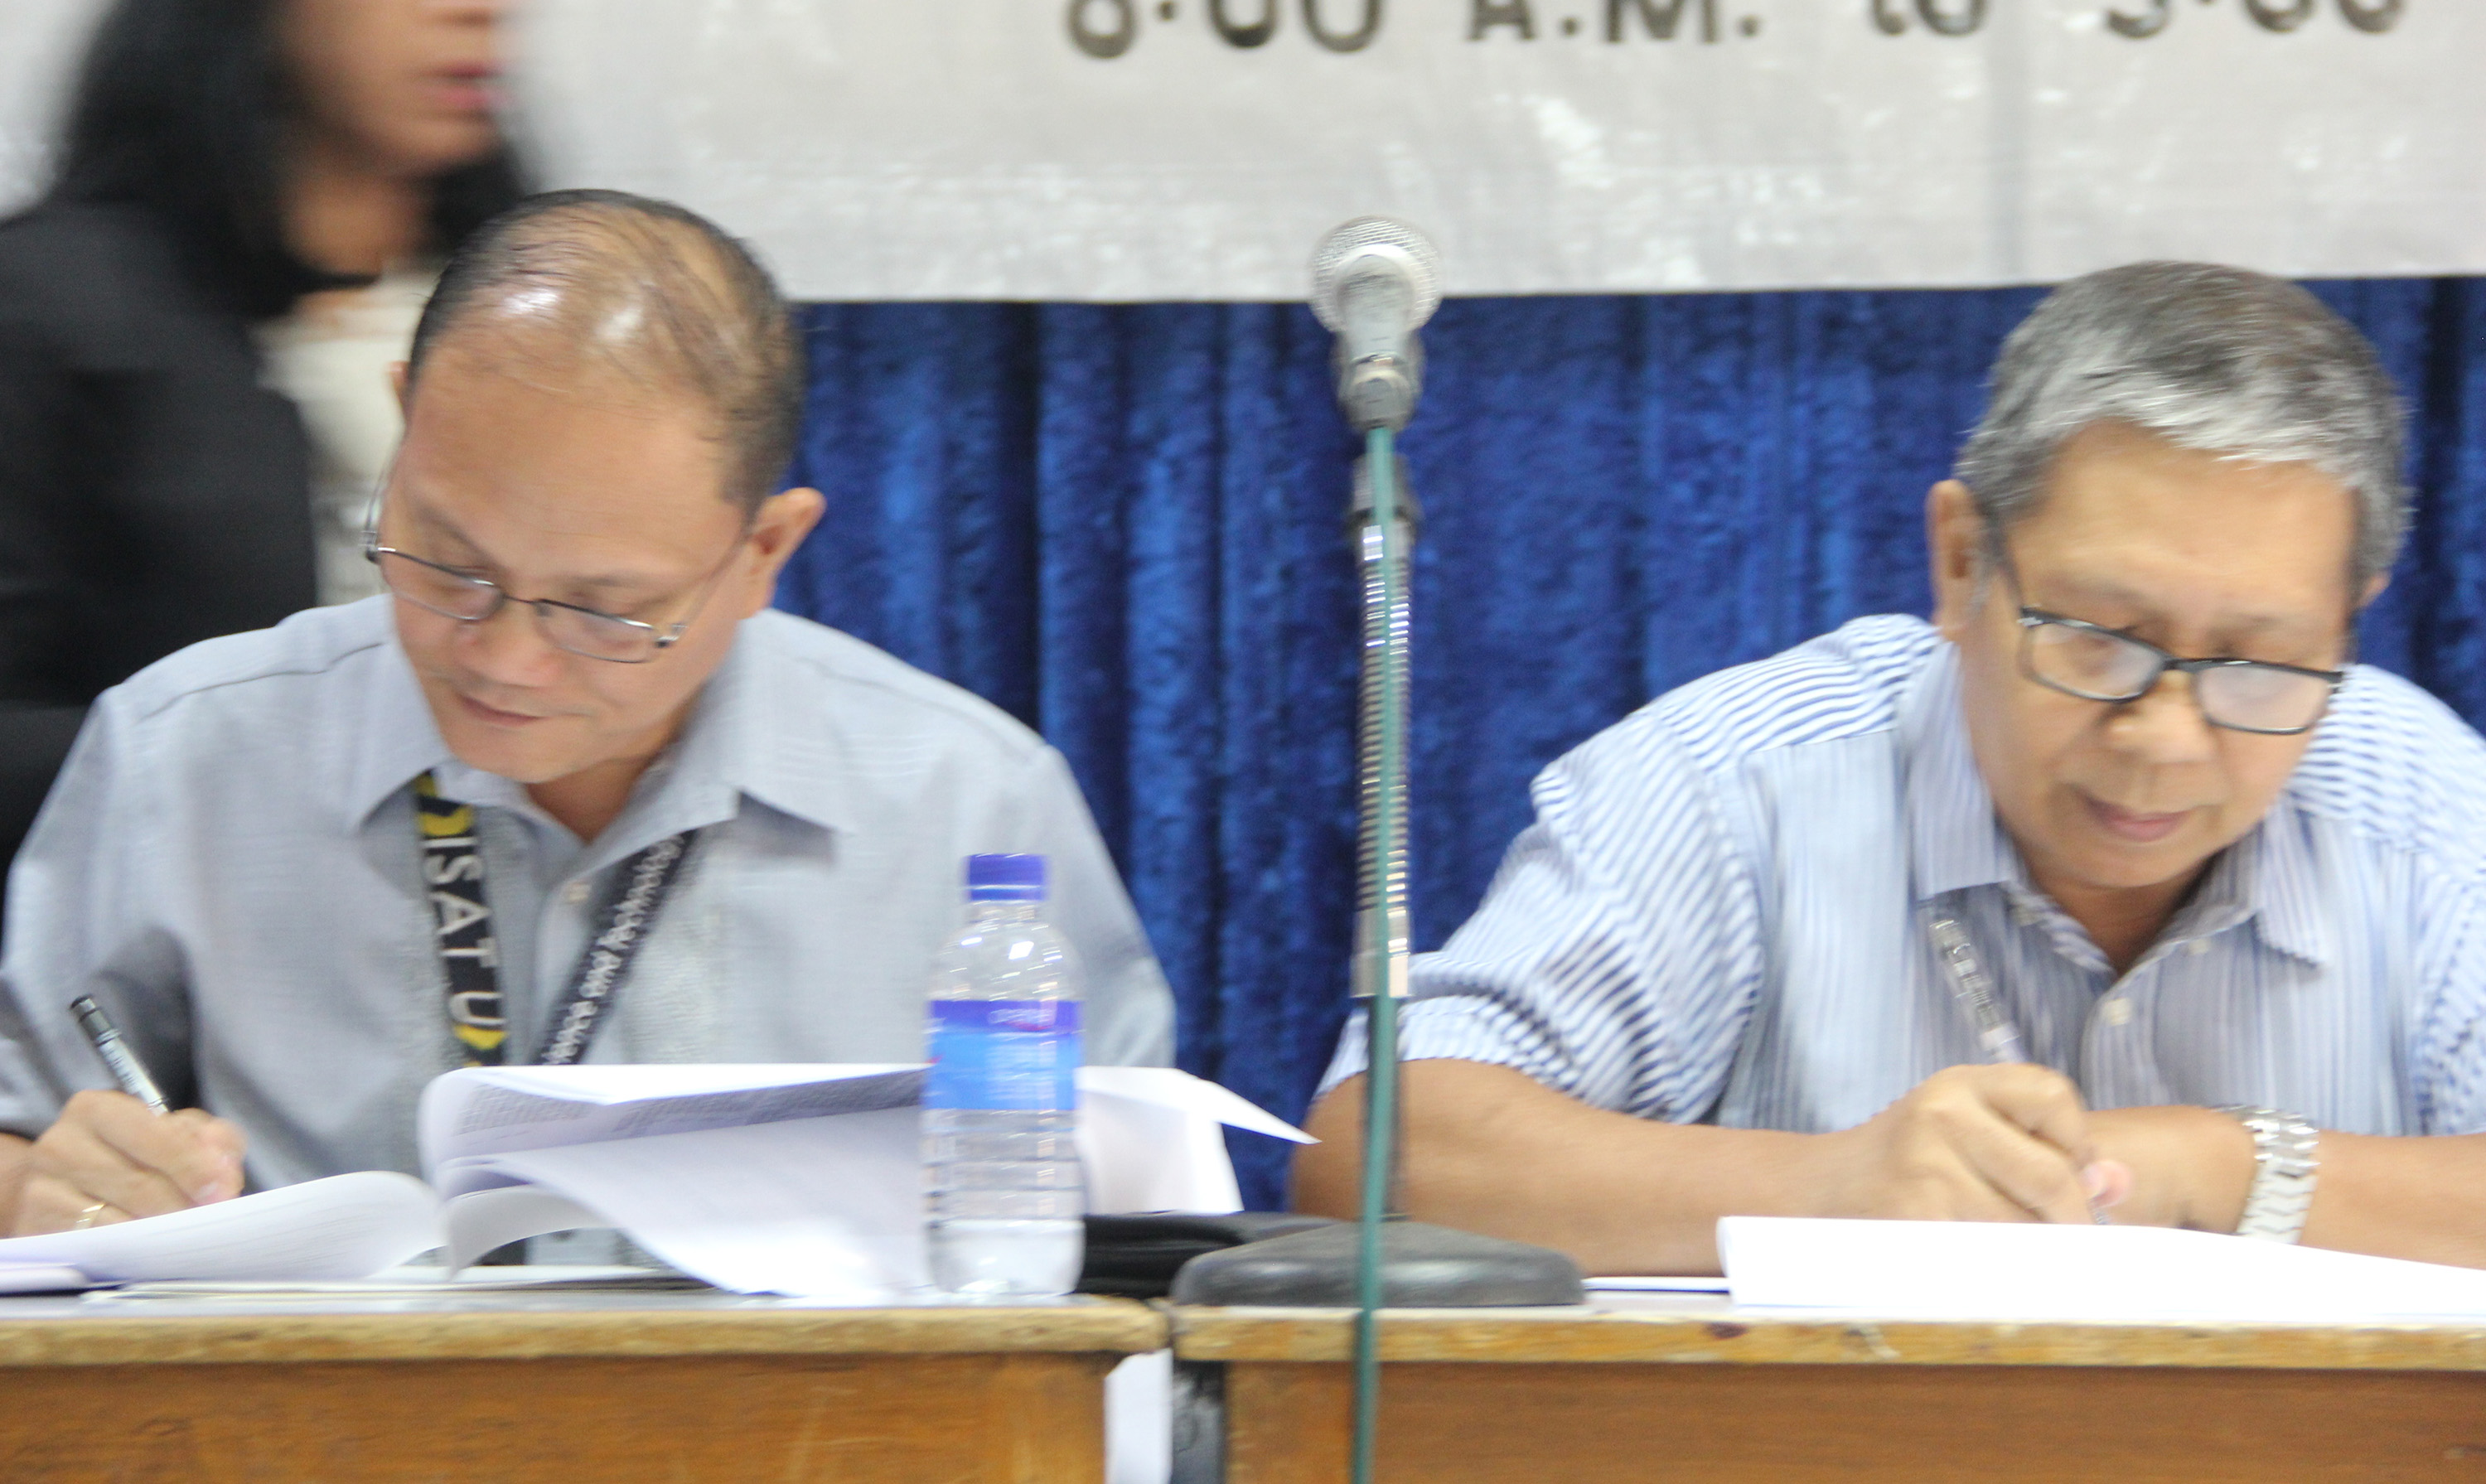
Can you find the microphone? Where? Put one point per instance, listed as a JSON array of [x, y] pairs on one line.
[[1374, 281]]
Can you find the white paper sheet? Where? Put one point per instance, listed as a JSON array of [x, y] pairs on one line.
[[490, 1110], [1993, 1271], [821, 1206], [483, 1219], [1188, 1172], [829, 1208], [344, 1226], [1151, 1140], [1168, 1087], [41, 1277], [1616, 1284], [416, 1282]]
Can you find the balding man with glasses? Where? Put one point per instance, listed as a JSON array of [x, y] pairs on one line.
[[2117, 891], [571, 790]]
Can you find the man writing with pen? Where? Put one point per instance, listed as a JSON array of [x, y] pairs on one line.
[[2118, 889], [571, 790]]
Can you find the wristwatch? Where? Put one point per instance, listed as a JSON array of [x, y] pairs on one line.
[[2283, 1166]]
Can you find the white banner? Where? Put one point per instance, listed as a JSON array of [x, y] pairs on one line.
[[1196, 149]]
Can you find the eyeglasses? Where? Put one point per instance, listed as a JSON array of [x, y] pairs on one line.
[[566, 626], [2097, 663], [2100, 663]]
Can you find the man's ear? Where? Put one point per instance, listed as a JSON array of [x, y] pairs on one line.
[[397, 384], [779, 527], [2374, 586], [1955, 546]]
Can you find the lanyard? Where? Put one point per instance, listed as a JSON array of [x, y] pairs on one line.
[[452, 873]]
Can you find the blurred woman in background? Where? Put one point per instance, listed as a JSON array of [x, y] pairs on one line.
[[195, 324]]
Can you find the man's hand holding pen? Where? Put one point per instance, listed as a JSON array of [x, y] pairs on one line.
[[110, 1158], [116, 1156], [1990, 1143]]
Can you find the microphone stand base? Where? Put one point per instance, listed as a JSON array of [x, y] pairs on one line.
[[1422, 1267]]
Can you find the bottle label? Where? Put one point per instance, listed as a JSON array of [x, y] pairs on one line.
[[1006, 1056]]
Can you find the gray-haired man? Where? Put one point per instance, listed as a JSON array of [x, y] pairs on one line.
[[2113, 878]]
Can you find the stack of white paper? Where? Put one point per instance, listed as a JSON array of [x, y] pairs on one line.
[[782, 1179], [40, 1278], [1975, 1270], [801, 1180], [344, 1226]]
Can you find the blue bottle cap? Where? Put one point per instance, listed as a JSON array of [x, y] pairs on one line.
[[1005, 878]]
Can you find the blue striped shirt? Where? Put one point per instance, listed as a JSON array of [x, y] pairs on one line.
[[1719, 915]]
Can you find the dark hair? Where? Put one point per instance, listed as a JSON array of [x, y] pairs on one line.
[[181, 108], [655, 293]]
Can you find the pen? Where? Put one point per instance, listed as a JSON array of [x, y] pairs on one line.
[[1996, 1035], [1996, 1032], [116, 1054]]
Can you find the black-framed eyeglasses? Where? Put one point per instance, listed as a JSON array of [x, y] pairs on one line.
[[586, 632], [2097, 663]]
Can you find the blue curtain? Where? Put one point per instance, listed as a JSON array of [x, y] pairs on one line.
[[1125, 526]]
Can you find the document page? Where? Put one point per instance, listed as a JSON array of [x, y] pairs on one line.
[[422, 1283], [1977, 1269], [1656, 1284], [800, 1179], [493, 1110], [1150, 1139], [41, 1277], [344, 1226], [829, 1208], [480, 1217]]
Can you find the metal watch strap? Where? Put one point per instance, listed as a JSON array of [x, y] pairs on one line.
[[2284, 1167]]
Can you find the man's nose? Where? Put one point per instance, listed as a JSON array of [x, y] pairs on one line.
[[509, 647], [2165, 725]]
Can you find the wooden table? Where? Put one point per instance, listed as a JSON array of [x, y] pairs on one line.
[[1689, 1387], [573, 1387]]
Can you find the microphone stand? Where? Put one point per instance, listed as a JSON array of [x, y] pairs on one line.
[[1382, 540], [1383, 1260]]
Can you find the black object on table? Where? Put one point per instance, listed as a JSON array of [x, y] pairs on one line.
[[1137, 1257]]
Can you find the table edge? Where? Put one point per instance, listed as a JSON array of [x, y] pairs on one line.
[[1596, 1336], [1114, 1327]]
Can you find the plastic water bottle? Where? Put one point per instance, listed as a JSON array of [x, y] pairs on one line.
[[1001, 1103]]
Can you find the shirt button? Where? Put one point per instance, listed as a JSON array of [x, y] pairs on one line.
[[574, 893], [2197, 946], [2117, 1010]]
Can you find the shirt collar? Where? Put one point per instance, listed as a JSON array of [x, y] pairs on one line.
[[1955, 840], [772, 723], [400, 742], [750, 733], [2278, 884]]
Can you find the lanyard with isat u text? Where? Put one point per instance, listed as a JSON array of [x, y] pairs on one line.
[[470, 958]]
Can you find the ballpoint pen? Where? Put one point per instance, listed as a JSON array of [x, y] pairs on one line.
[[1997, 1035], [116, 1054]]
